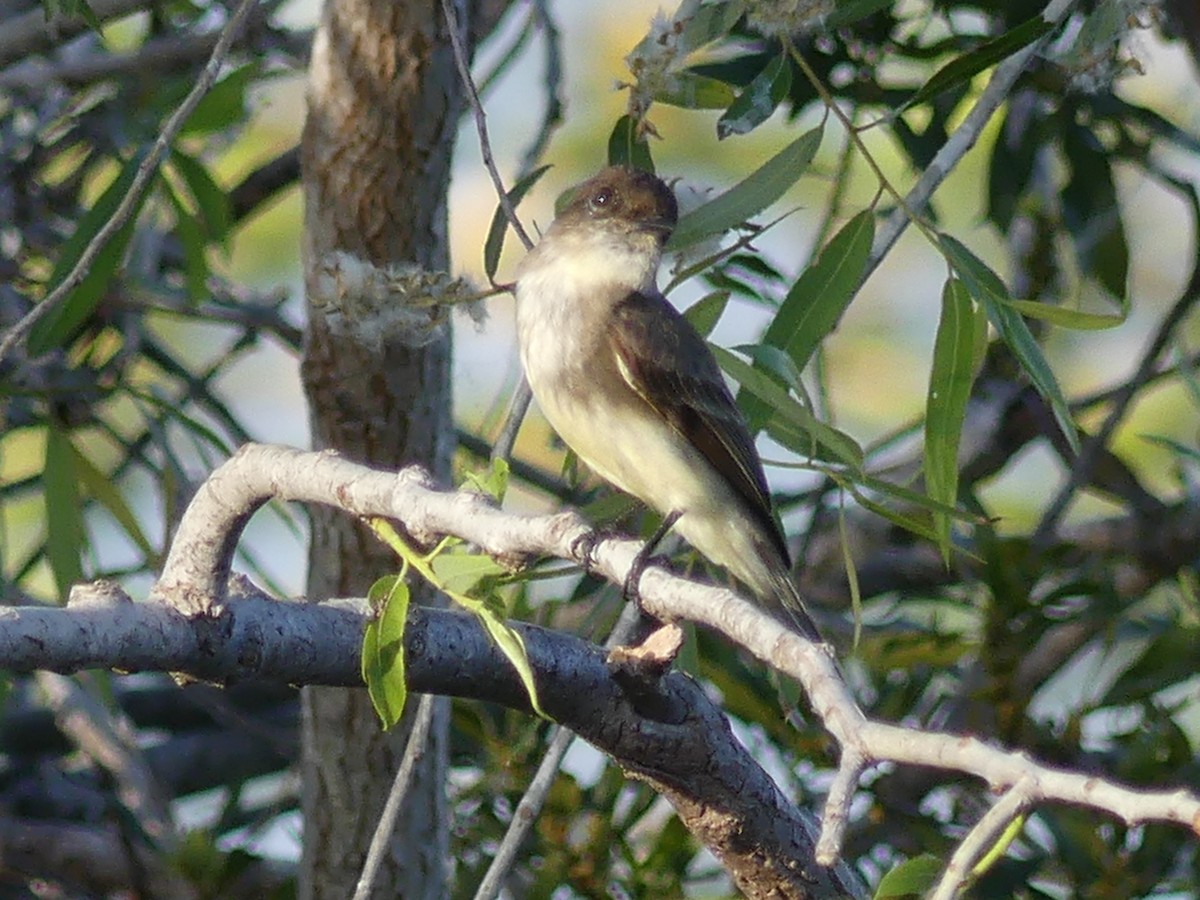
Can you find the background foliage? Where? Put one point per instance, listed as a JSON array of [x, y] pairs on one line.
[[1018, 578]]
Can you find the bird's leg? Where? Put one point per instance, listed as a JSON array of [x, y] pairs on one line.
[[632, 580]]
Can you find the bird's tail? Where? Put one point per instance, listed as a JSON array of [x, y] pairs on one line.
[[785, 595]]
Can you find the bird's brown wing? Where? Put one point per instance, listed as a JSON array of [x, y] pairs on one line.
[[668, 364]]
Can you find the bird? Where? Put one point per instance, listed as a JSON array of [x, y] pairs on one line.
[[634, 390]]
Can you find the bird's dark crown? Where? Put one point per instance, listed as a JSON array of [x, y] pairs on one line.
[[620, 194]]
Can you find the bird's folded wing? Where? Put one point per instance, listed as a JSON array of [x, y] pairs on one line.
[[666, 362]]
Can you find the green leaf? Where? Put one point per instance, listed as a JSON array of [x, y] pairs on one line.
[[758, 100], [512, 645], [1067, 318], [816, 302], [821, 294], [626, 147], [790, 414], [1179, 448], [101, 486], [707, 311], [950, 381], [65, 535], [987, 288], [58, 325], [500, 224], [460, 572], [224, 105], [195, 247], [494, 482], [1092, 211], [691, 91], [911, 879], [777, 363], [851, 11], [80, 8], [211, 200], [710, 22], [967, 66], [383, 649], [750, 196]]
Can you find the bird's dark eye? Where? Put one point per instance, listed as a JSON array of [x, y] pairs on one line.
[[601, 200]]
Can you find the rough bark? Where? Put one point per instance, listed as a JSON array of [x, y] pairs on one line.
[[383, 103]]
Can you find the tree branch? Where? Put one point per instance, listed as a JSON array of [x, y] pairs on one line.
[[142, 179], [690, 755], [224, 640]]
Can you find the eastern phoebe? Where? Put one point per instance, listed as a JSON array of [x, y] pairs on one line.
[[634, 390]]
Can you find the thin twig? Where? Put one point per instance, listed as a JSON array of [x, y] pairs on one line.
[[553, 116], [485, 144], [980, 840], [1093, 448], [963, 139], [413, 753], [142, 180], [535, 795], [522, 394]]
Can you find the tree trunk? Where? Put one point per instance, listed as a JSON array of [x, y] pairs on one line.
[[384, 100]]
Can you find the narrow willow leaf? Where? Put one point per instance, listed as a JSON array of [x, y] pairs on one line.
[[850, 11], [58, 325], [1177, 447], [195, 246], [211, 200], [775, 362], [460, 572], [1091, 210], [707, 311], [710, 22], [851, 572], [691, 91], [223, 105], [628, 148], [758, 100], [500, 224], [821, 294], [950, 381], [752, 195], [512, 645], [383, 649], [1011, 832], [970, 64], [987, 288], [104, 489], [64, 513], [492, 483], [840, 446], [816, 302], [1068, 318], [912, 878]]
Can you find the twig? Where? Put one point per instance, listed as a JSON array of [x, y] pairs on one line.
[[522, 395], [32, 32], [485, 144], [963, 139], [539, 787], [1093, 448], [413, 753], [97, 734], [980, 840], [146, 171], [553, 79]]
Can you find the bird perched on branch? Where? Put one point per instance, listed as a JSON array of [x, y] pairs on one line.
[[635, 391]]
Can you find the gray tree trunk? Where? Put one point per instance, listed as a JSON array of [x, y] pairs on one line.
[[384, 101]]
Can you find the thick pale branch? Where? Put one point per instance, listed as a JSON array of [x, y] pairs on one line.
[[253, 637]]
